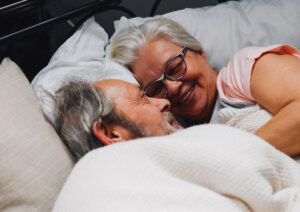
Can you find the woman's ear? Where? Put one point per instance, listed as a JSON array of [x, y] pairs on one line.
[[106, 134]]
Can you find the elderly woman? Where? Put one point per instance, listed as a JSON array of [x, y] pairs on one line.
[[170, 63]]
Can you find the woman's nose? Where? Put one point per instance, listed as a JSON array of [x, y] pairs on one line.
[[173, 88], [164, 105]]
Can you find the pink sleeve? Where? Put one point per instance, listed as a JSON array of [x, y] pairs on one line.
[[233, 82]]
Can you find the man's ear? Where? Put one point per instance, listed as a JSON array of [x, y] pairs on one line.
[[106, 134]]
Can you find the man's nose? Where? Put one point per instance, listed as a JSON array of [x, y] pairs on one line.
[[173, 88], [164, 105]]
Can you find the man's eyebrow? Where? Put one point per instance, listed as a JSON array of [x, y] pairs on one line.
[[141, 87], [142, 91]]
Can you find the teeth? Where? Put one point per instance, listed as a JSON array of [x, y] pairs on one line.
[[186, 96]]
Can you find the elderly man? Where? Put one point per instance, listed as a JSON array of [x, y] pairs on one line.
[[110, 111]]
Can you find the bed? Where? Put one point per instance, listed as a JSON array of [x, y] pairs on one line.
[[35, 164]]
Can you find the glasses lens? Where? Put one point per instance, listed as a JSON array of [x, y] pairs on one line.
[[157, 90], [175, 68]]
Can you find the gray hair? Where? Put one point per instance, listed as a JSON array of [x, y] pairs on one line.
[[78, 105], [126, 43]]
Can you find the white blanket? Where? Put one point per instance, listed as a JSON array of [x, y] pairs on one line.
[[249, 118], [203, 168]]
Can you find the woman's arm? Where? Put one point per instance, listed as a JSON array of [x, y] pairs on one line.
[[275, 84]]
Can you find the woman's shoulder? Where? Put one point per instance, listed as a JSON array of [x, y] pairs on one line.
[[254, 52], [244, 59]]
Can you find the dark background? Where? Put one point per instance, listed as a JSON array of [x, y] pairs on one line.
[[33, 51]]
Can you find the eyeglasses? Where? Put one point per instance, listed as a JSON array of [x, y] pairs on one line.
[[174, 70]]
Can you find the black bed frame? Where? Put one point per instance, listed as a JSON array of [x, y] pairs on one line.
[[87, 10], [84, 12]]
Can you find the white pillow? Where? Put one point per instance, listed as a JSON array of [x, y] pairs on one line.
[[34, 161], [80, 57], [225, 28]]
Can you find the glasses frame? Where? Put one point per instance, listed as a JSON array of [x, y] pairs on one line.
[[165, 76]]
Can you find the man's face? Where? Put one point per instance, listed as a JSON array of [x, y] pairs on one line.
[[151, 115], [193, 96]]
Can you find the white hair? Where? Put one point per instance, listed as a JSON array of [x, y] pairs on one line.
[[126, 43]]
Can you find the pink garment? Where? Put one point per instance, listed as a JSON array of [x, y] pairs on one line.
[[233, 82]]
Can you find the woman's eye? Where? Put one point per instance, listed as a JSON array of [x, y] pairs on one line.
[[174, 67], [174, 70]]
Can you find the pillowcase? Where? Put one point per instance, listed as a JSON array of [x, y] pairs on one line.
[[226, 28], [80, 57], [34, 163]]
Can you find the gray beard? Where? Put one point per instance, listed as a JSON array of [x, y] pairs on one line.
[[169, 118], [138, 131]]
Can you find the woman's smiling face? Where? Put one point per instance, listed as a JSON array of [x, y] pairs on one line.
[[193, 96]]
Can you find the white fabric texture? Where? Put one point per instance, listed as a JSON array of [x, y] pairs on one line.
[[34, 162], [226, 28], [81, 57], [249, 119], [195, 169]]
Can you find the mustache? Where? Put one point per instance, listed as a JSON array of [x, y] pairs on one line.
[[168, 117]]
